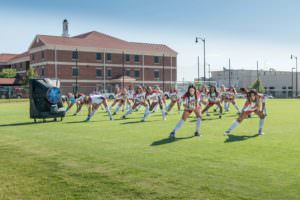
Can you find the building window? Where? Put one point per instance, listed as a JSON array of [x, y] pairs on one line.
[[156, 74], [127, 58], [98, 72], [127, 72], [137, 73], [74, 55], [43, 54], [32, 57], [156, 60], [136, 58], [109, 72], [98, 56], [75, 71], [108, 57], [284, 87]]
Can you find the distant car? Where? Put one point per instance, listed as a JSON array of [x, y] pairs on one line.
[[19, 92], [240, 96], [4, 92], [109, 95], [270, 97]]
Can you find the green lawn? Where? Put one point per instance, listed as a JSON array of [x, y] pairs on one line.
[[125, 159]]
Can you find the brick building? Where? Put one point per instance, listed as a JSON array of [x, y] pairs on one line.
[[98, 61]]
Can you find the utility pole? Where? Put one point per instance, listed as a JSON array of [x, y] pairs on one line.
[[229, 74]]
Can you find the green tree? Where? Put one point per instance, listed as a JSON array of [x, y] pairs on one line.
[[258, 86], [8, 73], [31, 73]]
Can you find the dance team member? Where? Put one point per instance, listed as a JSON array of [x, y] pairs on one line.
[[191, 103], [252, 105]]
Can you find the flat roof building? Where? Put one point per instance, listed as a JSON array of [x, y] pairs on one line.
[[277, 83]]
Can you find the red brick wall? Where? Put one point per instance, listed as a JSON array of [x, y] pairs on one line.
[[90, 57], [88, 72]]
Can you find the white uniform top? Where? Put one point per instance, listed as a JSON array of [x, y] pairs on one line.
[[118, 96], [97, 99], [174, 96], [154, 96], [212, 97], [138, 98], [80, 99], [130, 94], [125, 96], [191, 102]]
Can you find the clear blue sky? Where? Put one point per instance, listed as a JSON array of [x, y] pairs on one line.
[[244, 30]]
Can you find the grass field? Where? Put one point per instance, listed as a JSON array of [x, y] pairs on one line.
[[126, 159]]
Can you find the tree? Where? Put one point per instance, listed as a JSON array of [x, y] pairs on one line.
[[258, 86], [8, 73], [31, 73]]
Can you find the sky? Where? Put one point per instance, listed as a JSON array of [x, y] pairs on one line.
[[246, 31]]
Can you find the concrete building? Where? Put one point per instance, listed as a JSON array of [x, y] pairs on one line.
[[277, 83]]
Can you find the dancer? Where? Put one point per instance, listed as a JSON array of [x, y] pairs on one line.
[[213, 99], [252, 105], [154, 98], [191, 103], [139, 100], [174, 98], [94, 102]]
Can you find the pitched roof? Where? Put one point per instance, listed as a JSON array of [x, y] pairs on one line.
[[5, 57], [101, 40], [7, 81], [21, 55]]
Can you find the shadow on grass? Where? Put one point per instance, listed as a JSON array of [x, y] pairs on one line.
[[134, 122], [83, 121], [237, 138], [168, 140], [26, 123]]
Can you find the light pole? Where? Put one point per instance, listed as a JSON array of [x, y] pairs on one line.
[[163, 62], [198, 70], [76, 75], [296, 58], [123, 69], [257, 73], [229, 72], [208, 71], [293, 81], [203, 40]]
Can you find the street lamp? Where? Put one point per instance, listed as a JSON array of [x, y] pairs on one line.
[[293, 81], [123, 69], [163, 62], [208, 72], [203, 40], [296, 58], [257, 73], [229, 72]]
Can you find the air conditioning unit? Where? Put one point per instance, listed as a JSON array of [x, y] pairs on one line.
[[45, 100]]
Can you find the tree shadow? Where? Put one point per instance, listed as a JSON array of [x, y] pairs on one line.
[[168, 140], [237, 138]]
